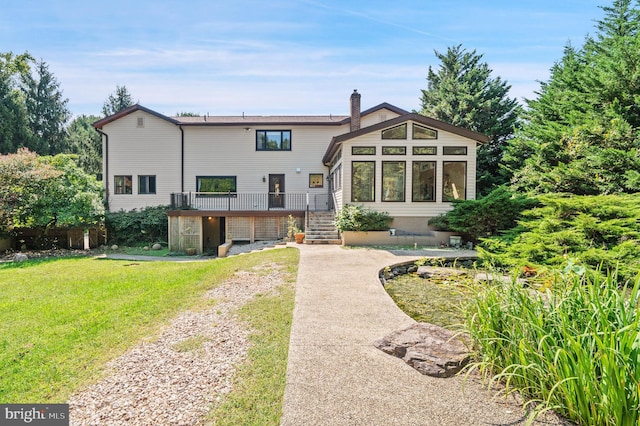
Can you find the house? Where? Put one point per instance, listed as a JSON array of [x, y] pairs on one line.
[[240, 177]]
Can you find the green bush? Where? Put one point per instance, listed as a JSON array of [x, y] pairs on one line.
[[130, 228], [572, 346], [488, 216], [600, 231], [355, 218]]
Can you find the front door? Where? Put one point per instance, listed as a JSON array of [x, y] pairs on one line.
[[276, 191]]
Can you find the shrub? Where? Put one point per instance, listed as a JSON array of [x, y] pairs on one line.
[[488, 216], [130, 228], [600, 231], [573, 347], [356, 218]]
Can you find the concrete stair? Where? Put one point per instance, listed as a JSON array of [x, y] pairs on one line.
[[321, 229]]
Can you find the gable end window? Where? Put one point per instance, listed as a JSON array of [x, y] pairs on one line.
[[421, 132], [146, 184], [140, 122], [273, 140], [398, 132], [122, 184]]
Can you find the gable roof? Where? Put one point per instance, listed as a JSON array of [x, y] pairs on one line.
[[133, 108], [321, 120], [427, 121]]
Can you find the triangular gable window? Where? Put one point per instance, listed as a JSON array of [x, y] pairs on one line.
[[421, 132], [398, 132]]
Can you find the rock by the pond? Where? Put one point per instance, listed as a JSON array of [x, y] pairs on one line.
[[430, 349], [114, 247], [156, 246], [20, 257]]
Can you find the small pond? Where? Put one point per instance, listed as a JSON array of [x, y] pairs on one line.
[[436, 295]]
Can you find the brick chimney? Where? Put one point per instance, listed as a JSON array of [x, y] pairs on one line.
[[355, 111]]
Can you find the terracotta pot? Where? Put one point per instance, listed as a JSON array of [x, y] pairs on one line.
[[299, 237]]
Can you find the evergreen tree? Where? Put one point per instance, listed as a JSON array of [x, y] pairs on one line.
[[117, 101], [47, 111], [84, 141], [581, 135], [13, 119], [463, 93]]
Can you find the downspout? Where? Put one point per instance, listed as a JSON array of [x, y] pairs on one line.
[[105, 155], [181, 158]]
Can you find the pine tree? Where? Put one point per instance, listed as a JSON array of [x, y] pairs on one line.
[[463, 93], [581, 135], [47, 111], [86, 143], [117, 101], [13, 118]]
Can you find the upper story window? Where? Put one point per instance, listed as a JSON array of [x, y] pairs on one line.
[[140, 122], [398, 132], [273, 140], [421, 132], [122, 184], [146, 184], [454, 150]]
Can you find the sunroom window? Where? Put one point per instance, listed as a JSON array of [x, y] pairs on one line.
[[421, 132], [393, 178], [363, 181], [454, 182], [424, 181], [398, 132]]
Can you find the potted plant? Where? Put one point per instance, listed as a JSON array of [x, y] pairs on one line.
[[299, 236]]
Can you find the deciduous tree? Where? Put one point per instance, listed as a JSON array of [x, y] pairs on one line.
[[46, 191]]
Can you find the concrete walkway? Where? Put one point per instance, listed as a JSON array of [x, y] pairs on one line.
[[335, 375]]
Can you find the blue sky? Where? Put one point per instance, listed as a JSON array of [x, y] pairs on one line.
[[283, 56]]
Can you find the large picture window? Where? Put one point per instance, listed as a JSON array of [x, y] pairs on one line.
[[363, 181], [454, 182], [393, 178], [146, 184], [122, 184], [273, 140], [216, 184], [424, 181]]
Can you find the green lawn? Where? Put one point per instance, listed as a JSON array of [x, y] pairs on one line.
[[61, 320]]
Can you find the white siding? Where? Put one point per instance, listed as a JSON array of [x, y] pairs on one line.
[[150, 150], [231, 151]]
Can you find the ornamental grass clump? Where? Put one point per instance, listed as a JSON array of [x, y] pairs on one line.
[[571, 345]]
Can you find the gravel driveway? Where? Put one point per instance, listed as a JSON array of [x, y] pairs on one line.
[[174, 379]]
